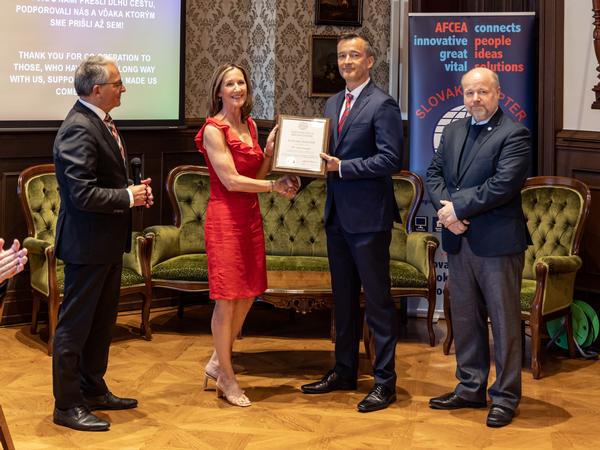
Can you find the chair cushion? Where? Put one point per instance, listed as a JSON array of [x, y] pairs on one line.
[[193, 267], [404, 275], [128, 277], [527, 294], [298, 263]]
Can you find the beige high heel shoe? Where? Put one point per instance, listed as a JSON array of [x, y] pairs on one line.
[[208, 376], [210, 373], [235, 396]]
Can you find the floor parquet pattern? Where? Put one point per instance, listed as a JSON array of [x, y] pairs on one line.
[[276, 356]]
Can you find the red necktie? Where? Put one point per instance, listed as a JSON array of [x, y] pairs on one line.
[[345, 113], [113, 129]]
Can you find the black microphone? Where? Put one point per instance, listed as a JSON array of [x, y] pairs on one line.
[[136, 169]]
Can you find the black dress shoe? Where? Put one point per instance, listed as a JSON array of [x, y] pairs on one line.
[[453, 401], [380, 397], [110, 401], [330, 382], [499, 416], [79, 418]]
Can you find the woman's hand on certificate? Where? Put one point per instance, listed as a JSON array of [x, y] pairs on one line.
[[333, 163], [270, 147]]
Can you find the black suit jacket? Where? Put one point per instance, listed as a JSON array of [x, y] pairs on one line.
[[94, 221], [370, 147], [486, 189]]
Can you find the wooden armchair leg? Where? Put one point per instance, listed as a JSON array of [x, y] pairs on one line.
[[536, 344], [5, 437], [145, 329], [448, 316], [35, 312], [430, 311]]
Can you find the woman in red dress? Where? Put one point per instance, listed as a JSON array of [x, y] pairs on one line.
[[233, 229]]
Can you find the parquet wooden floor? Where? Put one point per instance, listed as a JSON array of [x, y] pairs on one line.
[[276, 356]]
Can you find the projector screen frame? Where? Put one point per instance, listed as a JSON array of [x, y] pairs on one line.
[[124, 124]]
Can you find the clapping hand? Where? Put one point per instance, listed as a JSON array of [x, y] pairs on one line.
[[287, 186], [12, 261]]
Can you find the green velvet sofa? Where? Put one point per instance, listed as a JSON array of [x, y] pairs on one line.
[[298, 271]]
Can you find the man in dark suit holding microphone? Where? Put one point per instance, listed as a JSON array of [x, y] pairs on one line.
[[474, 181], [92, 233], [366, 149]]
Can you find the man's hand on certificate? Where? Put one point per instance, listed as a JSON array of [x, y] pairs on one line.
[[333, 163]]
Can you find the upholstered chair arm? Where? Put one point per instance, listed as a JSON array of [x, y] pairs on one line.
[[418, 247], [132, 260], [165, 242], [560, 264], [555, 279], [42, 263]]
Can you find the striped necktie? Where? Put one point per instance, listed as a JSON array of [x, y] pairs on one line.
[[113, 129], [345, 113]]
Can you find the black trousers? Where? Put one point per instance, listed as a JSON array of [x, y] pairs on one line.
[[357, 259], [84, 332]]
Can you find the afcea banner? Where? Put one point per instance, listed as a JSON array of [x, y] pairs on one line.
[[442, 48]]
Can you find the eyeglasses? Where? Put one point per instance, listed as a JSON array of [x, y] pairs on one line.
[[117, 84]]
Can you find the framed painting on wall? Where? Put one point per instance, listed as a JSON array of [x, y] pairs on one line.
[[339, 12], [325, 79]]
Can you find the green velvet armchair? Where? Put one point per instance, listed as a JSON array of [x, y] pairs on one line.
[[38, 192], [175, 257], [556, 209]]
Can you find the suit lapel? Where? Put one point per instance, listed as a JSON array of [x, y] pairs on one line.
[[483, 137], [359, 104], [104, 132], [335, 117], [461, 137]]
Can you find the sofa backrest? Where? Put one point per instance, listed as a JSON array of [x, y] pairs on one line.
[[292, 227], [556, 209], [40, 200], [295, 227], [188, 189]]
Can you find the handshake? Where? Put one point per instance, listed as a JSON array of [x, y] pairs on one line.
[[286, 185]]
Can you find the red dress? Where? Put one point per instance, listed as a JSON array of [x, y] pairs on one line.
[[233, 230]]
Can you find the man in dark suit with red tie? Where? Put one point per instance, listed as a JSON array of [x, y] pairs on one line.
[[366, 149], [474, 181], [92, 233]]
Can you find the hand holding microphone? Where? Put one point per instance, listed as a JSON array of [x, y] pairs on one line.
[[141, 190]]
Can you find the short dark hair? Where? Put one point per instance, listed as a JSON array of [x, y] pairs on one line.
[[90, 72], [368, 47], [215, 102]]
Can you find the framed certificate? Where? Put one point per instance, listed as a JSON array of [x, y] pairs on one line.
[[298, 145]]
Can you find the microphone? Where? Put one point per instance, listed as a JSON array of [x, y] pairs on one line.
[[136, 169]]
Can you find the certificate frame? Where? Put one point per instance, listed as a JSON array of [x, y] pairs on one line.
[[317, 128]]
